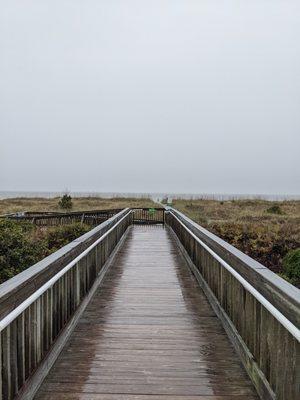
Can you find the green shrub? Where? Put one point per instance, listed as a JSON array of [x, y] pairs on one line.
[[285, 277], [275, 209], [291, 266], [66, 202], [24, 244], [62, 235], [19, 249], [266, 243]]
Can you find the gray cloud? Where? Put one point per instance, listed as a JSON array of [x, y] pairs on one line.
[[183, 96]]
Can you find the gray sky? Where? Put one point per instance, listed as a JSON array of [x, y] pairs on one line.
[[160, 95]]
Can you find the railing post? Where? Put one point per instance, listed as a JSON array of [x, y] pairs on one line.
[[21, 349], [6, 372], [36, 319], [245, 296], [1, 368], [77, 285]]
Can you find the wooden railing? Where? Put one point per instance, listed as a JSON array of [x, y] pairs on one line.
[[94, 217], [259, 310], [39, 306], [152, 215], [148, 216]]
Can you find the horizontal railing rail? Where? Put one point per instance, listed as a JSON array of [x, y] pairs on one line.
[[18, 288], [149, 215], [32, 326], [264, 331], [91, 217], [259, 310]]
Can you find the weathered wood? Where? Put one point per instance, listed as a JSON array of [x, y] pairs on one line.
[[6, 366], [19, 288], [32, 385], [13, 359], [148, 216], [263, 343], [92, 217], [97, 396], [279, 292], [29, 333], [148, 331]]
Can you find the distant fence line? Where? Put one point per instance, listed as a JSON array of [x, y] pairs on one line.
[[259, 311], [93, 217], [155, 195]]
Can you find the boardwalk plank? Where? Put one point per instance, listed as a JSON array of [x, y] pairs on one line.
[[148, 333]]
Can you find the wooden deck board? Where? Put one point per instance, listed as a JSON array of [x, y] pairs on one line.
[[148, 333]]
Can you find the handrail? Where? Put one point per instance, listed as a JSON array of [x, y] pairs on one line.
[[284, 296], [273, 310], [149, 208], [49, 214], [23, 306], [42, 304], [14, 290], [259, 311]]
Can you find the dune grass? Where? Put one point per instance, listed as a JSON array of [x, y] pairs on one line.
[[23, 244], [79, 204], [265, 230]]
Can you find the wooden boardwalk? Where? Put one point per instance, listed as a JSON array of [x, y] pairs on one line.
[[148, 333]]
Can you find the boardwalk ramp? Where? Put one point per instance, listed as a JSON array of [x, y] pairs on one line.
[[147, 311]]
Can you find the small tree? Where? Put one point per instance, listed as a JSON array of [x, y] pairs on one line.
[[275, 209], [66, 202], [291, 266]]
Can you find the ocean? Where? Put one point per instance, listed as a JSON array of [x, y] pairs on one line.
[[155, 196]]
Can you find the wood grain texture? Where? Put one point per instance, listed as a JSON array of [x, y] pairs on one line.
[[29, 338], [148, 333], [270, 353], [284, 296], [91, 217]]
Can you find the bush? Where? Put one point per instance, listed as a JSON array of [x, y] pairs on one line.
[[291, 266], [275, 210], [24, 244], [66, 202], [266, 243], [62, 235], [18, 248]]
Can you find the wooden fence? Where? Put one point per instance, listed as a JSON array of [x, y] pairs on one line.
[[148, 216], [259, 310], [41, 303], [94, 217]]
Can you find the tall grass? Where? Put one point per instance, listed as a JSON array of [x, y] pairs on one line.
[[79, 204], [265, 230], [23, 244]]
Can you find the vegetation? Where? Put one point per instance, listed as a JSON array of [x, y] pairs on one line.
[[275, 209], [59, 236], [66, 202], [18, 248], [21, 204], [291, 267], [22, 244], [267, 231]]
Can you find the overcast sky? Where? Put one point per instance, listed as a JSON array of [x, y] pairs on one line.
[[162, 95]]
